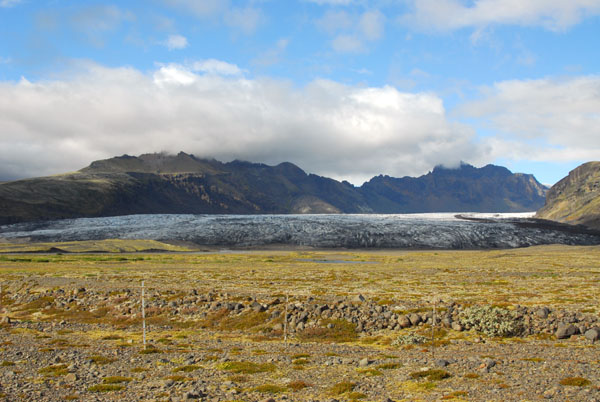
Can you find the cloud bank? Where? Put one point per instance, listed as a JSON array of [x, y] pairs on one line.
[[542, 120], [176, 42], [443, 15], [353, 32], [211, 109]]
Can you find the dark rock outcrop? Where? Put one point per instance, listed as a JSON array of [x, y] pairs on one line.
[[184, 184], [576, 198]]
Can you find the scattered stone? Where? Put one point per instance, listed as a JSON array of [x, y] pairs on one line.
[[543, 312], [364, 362], [358, 298], [71, 377], [415, 319], [565, 331], [457, 327], [592, 334]]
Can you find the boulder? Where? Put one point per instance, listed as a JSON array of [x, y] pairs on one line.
[[592, 334], [565, 331], [403, 321], [415, 319]]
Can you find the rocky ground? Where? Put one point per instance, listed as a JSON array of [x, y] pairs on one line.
[[75, 343]]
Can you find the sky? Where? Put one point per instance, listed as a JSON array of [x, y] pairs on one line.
[[348, 89]]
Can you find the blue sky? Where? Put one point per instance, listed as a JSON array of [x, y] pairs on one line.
[[343, 88]]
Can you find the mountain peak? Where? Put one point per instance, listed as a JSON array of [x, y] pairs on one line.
[[166, 183], [576, 198]]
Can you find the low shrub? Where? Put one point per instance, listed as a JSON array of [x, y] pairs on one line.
[[409, 339], [433, 375], [298, 385], [491, 321], [54, 370], [186, 369], [339, 331], [105, 388], [244, 367], [342, 388], [269, 389], [575, 381]]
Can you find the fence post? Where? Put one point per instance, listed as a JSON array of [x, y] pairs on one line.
[[143, 316], [285, 325]]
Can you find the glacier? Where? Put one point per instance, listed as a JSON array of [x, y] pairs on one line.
[[402, 231]]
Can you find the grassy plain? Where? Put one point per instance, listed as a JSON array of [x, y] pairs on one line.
[[231, 358], [548, 275]]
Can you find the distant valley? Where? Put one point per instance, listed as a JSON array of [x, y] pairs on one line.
[[182, 183]]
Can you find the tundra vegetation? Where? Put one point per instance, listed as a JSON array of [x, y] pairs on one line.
[[510, 324]]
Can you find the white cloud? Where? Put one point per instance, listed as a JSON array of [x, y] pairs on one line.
[[347, 44], [201, 8], [352, 32], [245, 19], [176, 42], [332, 2], [326, 127], [9, 3], [371, 24], [334, 21], [95, 21], [544, 120], [272, 55], [445, 15], [216, 67]]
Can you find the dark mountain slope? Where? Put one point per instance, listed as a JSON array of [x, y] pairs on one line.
[[466, 189], [158, 183], [576, 198]]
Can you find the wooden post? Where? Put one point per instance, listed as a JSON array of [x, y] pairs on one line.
[[287, 299], [433, 331], [143, 316]]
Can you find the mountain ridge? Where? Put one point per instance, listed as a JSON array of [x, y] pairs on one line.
[[183, 183], [576, 198]]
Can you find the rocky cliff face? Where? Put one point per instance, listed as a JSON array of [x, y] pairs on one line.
[[159, 184], [466, 189], [576, 198]]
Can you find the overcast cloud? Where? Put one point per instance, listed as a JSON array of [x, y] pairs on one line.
[[328, 128], [445, 15], [561, 117]]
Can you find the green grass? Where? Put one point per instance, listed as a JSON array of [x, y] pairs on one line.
[[99, 359], [244, 367], [55, 370], [298, 385], [341, 331], [575, 382], [342, 388], [106, 388], [433, 375], [269, 389], [116, 380], [186, 369], [150, 350], [353, 396]]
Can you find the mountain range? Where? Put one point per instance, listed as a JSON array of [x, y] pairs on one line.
[[576, 198], [182, 183]]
